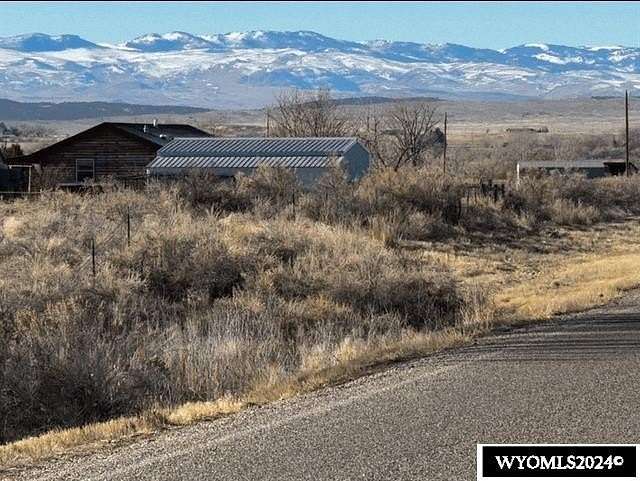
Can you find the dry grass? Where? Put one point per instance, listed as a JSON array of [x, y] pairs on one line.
[[201, 315], [578, 281], [351, 359], [555, 270], [586, 282], [232, 296], [65, 441]]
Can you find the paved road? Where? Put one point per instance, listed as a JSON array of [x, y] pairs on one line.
[[571, 380]]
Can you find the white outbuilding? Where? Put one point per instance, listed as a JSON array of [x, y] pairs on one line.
[[309, 157]]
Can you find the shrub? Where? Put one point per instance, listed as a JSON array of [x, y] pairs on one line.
[[200, 305], [573, 199], [566, 212], [276, 185], [203, 189], [215, 294]]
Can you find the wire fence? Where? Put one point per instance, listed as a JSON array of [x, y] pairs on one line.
[[121, 229]]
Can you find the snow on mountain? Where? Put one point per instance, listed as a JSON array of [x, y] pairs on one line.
[[40, 42], [246, 69], [168, 42], [258, 39]]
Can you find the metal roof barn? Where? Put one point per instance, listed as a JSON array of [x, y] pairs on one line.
[[308, 156], [591, 168]]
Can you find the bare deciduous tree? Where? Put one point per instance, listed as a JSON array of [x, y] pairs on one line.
[[404, 135], [301, 114], [209, 124], [413, 133], [373, 133], [10, 151]]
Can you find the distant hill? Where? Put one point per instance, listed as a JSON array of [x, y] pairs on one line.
[[11, 110], [40, 42], [373, 100]]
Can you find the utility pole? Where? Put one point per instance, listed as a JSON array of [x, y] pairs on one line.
[[626, 132], [444, 150]]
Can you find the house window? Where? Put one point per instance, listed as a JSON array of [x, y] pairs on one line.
[[84, 170]]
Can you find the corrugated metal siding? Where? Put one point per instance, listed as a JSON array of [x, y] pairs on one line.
[[261, 146], [238, 162]]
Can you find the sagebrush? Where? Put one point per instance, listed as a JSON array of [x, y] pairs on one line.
[[225, 286], [199, 304]]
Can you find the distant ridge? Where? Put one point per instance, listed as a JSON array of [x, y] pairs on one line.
[[12, 110], [41, 42], [238, 70], [374, 100]]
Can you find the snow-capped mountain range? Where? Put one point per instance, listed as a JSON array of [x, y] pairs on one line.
[[246, 69]]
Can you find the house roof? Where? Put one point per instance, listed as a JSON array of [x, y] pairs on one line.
[[250, 152], [249, 146], [238, 162], [158, 136], [161, 134]]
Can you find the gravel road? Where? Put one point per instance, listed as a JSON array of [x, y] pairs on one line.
[[571, 380]]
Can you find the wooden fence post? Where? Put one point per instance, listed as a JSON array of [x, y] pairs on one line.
[[93, 256], [293, 201], [128, 226]]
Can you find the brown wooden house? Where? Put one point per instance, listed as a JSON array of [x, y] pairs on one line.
[[110, 150]]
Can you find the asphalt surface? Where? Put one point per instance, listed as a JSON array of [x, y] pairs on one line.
[[567, 381]]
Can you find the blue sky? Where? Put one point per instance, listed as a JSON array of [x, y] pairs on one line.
[[479, 24]]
